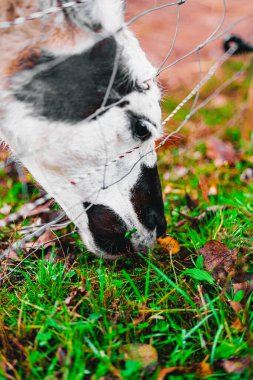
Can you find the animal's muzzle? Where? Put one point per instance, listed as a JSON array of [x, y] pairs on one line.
[[146, 197], [110, 232]]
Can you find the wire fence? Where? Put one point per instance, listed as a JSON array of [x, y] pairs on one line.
[[217, 33]]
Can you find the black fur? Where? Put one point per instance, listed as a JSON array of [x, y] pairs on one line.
[[108, 230], [75, 88], [147, 200]]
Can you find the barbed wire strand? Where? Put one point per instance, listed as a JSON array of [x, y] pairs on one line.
[[195, 91], [96, 113], [212, 70], [6, 24], [202, 45], [173, 40]]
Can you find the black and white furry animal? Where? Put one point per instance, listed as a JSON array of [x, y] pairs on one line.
[[55, 75]]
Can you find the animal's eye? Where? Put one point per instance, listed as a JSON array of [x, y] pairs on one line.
[[139, 127], [141, 130]]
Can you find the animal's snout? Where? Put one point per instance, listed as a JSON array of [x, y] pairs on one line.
[[108, 230], [146, 197], [115, 234]]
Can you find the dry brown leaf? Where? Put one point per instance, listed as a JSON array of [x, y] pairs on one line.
[[46, 239], [219, 259], [236, 306], [221, 152], [204, 369], [165, 371], [170, 244], [13, 255], [237, 365], [237, 324], [145, 354]]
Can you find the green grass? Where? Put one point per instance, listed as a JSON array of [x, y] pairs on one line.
[[68, 317]]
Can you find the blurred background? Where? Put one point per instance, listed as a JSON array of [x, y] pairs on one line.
[[198, 20]]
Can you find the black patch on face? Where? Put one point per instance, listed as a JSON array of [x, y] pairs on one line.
[[108, 230], [75, 88], [146, 197]]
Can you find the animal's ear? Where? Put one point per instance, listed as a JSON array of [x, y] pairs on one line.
[[99, 16]]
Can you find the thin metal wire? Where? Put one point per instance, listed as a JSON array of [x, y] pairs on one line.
[[173, 40], [193, 92], [80, 178], [32, 253], [150, 10], [19, 245], [202, 45], [71, 4], [194, 109], [96, 113]]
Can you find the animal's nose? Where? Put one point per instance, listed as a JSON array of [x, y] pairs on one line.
[[148, 202], [108, 230]]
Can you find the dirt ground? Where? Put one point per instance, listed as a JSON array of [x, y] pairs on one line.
[[198, 19]]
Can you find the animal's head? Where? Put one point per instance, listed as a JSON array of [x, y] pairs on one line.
[[83, 118]]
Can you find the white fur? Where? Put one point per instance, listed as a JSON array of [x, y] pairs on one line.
[[56, 152]]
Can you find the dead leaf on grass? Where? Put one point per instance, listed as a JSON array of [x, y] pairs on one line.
[[145, 354], [236, 306], [219, 259], [170, 244], [165, 371], [46, 239], [237, 365], [27, 210], [221, 152], [204, 368], [237, 324]]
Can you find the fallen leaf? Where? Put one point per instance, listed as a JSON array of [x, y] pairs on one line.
[[45, 239], [236, 306], [237, 365], [203, 184], [142, 353], [170, 244], [165, 371], [221, 152], [219, 259], [237, 324], [27, 210], [204, 369]]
